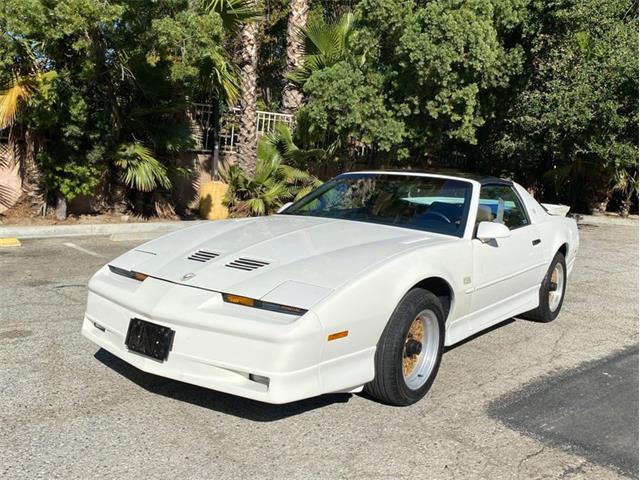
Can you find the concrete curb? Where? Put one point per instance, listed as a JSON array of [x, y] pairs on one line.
[[47, 231]]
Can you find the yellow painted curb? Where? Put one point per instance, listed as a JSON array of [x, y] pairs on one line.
[[9, 242]]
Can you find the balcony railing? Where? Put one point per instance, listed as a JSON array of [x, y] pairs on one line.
[[201, 115]]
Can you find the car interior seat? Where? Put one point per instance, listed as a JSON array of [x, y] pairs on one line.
[[484, 214]]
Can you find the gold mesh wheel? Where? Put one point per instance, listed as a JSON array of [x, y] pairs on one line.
[[416, 334], [420, 349]]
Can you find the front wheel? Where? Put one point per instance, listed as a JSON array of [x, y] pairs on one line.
[[409, 351], [552, 291]]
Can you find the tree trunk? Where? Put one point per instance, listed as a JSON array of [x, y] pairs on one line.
[[215, 156], [61, 206], [600, 207], [597, 189], [247, 132], [292, 96], [625, 208], [31, 175]]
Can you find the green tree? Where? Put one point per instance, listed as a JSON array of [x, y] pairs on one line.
[[124, 74], [346, 107], [571, 128], [413, 78]]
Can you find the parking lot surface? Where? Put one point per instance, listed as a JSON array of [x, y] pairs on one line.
[[522, 401]]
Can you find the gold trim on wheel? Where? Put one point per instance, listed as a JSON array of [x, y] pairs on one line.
[[416, 333]]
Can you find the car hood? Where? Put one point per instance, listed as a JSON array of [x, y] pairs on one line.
[[273, 258]]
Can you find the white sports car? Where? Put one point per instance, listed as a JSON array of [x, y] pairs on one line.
[[361, 283]]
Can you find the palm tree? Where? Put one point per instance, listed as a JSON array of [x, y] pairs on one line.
[[248, 128], [14, 99], [292, 96], [242, 15], [273, 182], [234, 14], [625, 182]]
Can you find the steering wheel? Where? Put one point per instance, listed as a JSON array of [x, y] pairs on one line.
[[439, 215]]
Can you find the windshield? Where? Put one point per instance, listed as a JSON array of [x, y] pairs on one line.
[[431, 204]]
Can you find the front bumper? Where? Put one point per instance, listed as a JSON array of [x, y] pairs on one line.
[[217, 345]]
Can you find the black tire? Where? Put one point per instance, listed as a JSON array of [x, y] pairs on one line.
[[544, 313], [389, 384]]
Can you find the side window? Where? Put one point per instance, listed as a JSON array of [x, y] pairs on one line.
[[500, 203]]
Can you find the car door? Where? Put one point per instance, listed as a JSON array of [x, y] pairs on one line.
[[506, 271]]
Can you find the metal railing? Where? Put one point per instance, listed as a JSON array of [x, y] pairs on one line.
[[201, 116]]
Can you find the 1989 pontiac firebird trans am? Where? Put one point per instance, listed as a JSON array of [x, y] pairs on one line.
[[361, 283]]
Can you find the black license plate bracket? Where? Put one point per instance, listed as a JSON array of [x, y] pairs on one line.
[[149, 339]]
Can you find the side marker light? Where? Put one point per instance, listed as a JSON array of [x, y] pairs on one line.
[[337, 335]]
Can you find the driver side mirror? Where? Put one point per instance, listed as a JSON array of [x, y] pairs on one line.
[[491, 231], [284, 207]]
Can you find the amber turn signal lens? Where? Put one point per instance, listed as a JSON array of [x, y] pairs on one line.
[[337, 335], [273, 307], [249, 302], [128, 273]]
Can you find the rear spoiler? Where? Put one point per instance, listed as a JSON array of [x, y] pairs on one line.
[[557, 210]]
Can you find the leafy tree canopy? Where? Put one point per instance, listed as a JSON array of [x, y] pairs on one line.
[[119, 75], [572, 125], [430, 72]]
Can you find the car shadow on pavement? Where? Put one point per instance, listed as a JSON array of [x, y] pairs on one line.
[[213, 400], [590, 410]]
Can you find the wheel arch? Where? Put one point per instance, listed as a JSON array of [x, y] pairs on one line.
[[441, 289], [564, 248], [563, 236]]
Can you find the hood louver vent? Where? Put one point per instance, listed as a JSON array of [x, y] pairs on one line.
[[246, 264], [203, 256]]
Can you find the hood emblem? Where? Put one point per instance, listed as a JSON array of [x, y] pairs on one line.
[[187, 276]]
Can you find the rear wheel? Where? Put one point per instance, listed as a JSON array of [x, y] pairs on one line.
[[409, 351], [552, 291]]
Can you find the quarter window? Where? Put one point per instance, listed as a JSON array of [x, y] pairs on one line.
[[501, 204]]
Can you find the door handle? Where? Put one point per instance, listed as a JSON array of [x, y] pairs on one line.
[[535, 242]]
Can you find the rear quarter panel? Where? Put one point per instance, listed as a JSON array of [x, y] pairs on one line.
[[557, 231]]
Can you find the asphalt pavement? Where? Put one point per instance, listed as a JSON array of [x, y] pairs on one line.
[[522, 401]]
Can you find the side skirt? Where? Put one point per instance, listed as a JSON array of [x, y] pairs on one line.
[[478, 321]]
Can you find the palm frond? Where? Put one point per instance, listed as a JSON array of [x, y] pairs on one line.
[[324, 44], [345, 29], [266, 149], [304, 191], [273, 182], [295, 175], [140, 170], [234, 13], [276, 193], [256, 206], [16, 94], [226, 79]]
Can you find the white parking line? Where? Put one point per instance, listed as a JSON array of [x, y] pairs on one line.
[[83, 250]]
